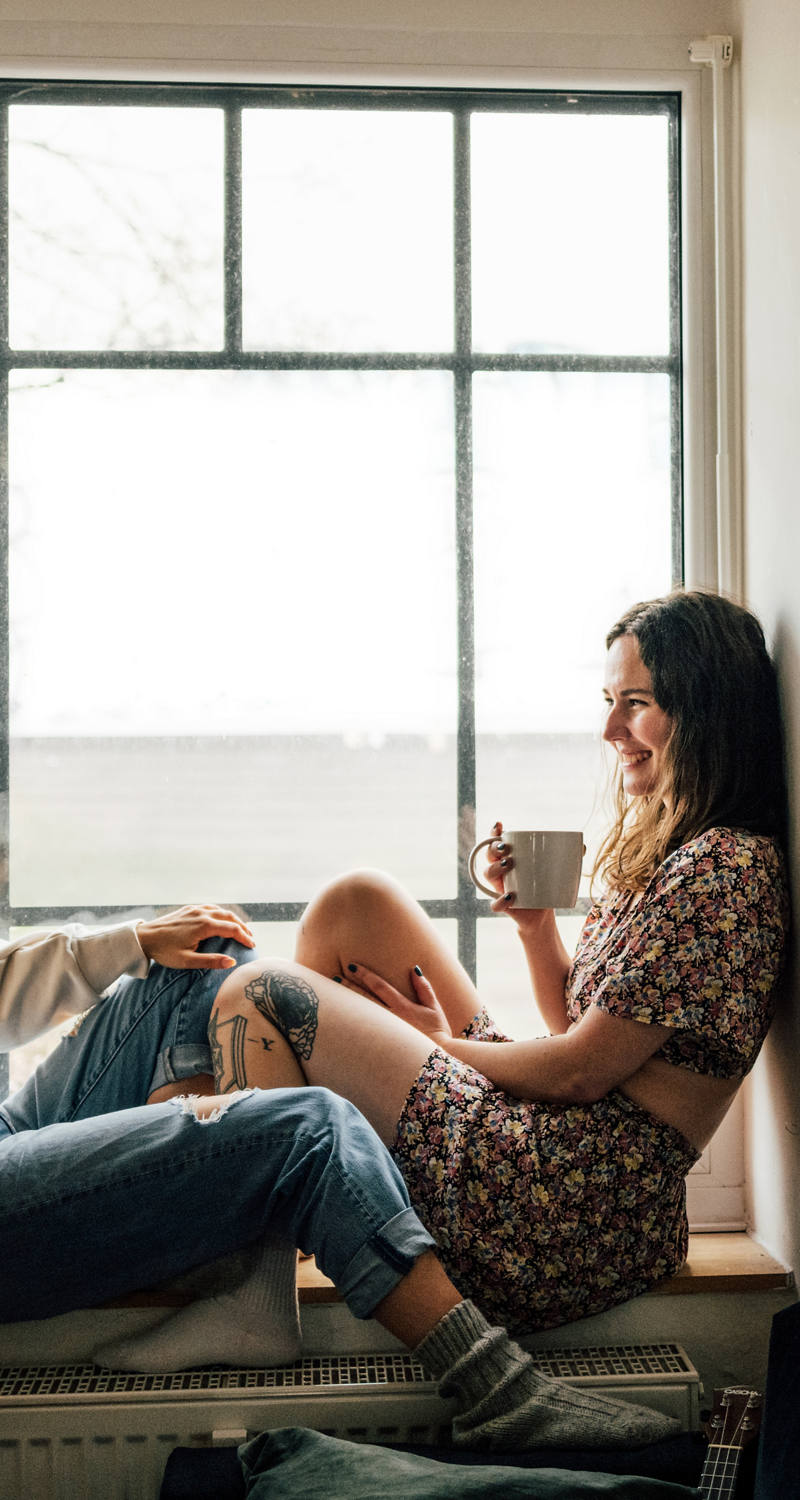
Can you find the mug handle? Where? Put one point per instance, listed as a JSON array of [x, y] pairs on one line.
[[488, 890]]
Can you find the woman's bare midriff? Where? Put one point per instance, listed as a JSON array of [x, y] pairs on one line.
[[691, 1102]]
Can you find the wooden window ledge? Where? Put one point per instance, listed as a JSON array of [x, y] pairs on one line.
[[717, 1263], [725, 1262], [722, 1262]]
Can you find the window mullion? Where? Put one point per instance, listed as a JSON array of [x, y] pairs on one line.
[[465, 829], [233, 230]]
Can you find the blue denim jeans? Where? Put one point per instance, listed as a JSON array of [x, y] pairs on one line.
[[101, 1195], [148, 1032]]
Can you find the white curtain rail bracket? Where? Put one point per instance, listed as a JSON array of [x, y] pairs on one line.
[[712, 49]]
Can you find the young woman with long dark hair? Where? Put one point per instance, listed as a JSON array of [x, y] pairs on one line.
[[551, 1171]]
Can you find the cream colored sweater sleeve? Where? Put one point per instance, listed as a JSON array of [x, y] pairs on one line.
[[49, 976]]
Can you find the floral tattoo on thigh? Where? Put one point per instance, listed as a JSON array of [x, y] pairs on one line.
[[290, 1004]]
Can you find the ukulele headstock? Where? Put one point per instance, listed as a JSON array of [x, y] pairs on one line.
[[735, 1416], [735, 1420]]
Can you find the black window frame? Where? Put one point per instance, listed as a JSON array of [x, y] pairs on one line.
[[462, 362]]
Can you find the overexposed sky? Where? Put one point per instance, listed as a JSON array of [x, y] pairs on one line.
[[207, 552]]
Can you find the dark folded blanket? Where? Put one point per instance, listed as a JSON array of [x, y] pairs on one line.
[[294, 1462]]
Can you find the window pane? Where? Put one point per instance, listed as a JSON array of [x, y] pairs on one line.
[[244, 679], [278, 938], [572, 525], [116, 227], [503, 981], [347, 226], [570, 233], [542, 780]]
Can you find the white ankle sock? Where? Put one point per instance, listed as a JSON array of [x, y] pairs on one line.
[[256, 1322]]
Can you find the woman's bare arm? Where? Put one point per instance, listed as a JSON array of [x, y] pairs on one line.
[[599, 1053], [577, 1066]]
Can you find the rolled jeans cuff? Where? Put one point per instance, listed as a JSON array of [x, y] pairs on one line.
[[380, 1265], [176, 1063]]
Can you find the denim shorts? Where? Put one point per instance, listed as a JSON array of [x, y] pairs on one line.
[[144, 1034]]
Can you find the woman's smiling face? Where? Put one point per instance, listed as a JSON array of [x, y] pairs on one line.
[[635, 725]]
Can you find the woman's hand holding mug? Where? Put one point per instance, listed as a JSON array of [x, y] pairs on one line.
[[530, 871], [500, 858]]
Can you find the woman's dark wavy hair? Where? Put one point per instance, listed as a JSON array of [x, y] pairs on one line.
[[723, 762]]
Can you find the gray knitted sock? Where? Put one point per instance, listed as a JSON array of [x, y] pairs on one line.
[[507, 1406]]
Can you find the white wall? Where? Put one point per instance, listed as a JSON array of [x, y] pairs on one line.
[[770, 114], [564, 17], [275, 38]]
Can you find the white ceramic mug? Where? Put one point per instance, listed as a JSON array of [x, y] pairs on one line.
[[546, 868]]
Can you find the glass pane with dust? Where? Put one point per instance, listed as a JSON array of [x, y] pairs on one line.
[[245, 680], [115, 227], [347, 222], [572, 526], [571, 234], [503, 981]]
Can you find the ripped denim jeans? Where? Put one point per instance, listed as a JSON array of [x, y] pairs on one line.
[[101, 1195], [147, 1032]]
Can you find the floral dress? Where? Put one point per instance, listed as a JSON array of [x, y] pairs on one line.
[[544, 1214]]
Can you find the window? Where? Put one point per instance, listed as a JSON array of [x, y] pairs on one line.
[[341, 427]]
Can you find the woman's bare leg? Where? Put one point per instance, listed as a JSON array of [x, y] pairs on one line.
[[243, 1054], [201, 1084], [366, 917], [271, 1017], [276, 1023], [418, 1302]]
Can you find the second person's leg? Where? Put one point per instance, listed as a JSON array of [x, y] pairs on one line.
[[99, 1208], [148, 1039], [159, 1189]]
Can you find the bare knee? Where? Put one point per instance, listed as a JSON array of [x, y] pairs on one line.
[[364, 915], [355, 894]]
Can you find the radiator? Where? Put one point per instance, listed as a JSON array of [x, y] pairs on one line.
[[73, 1432]]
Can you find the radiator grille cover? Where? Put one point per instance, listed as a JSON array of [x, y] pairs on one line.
[[77, 1430], [596, 1365]]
